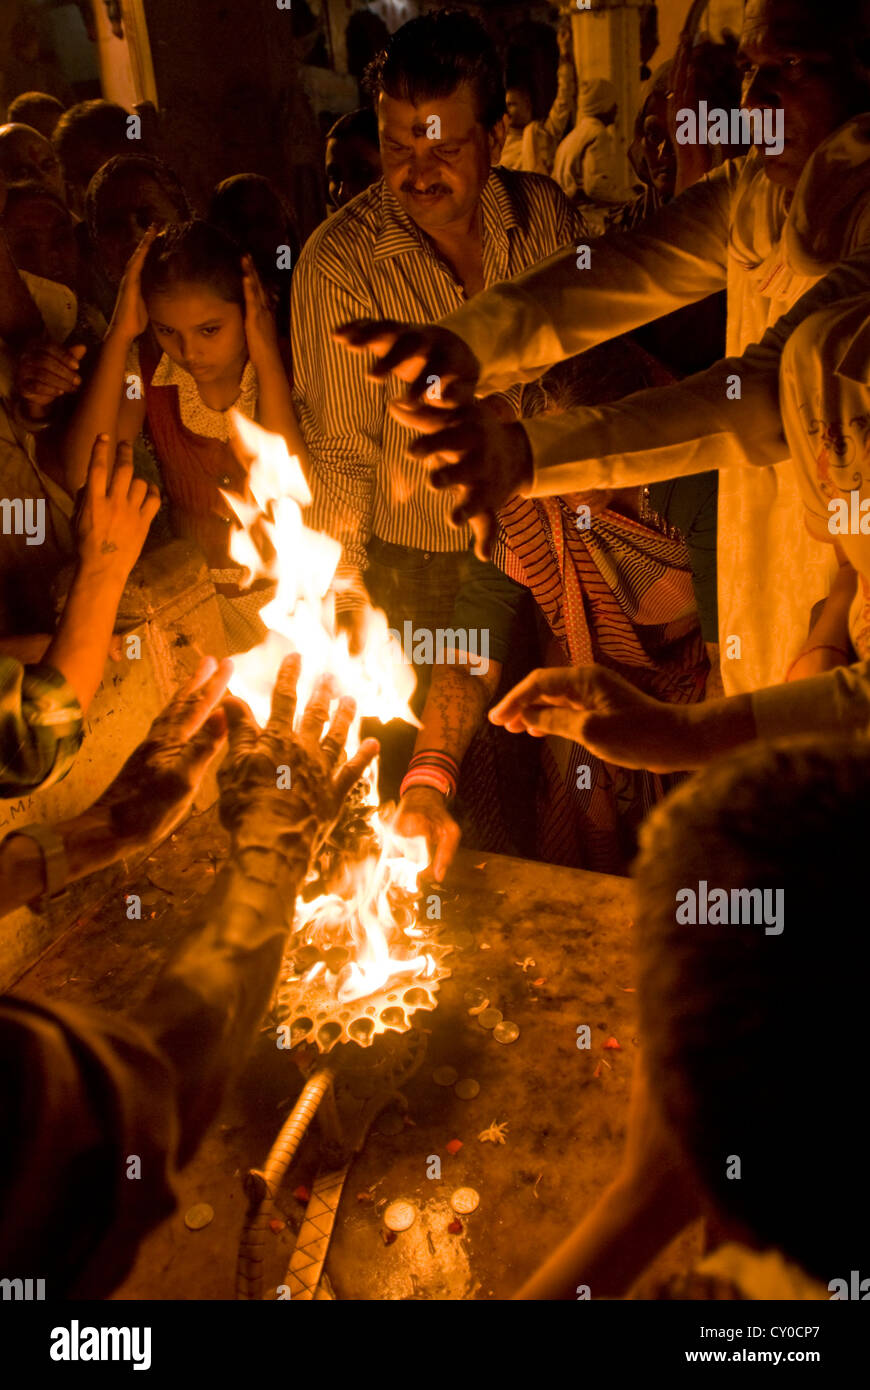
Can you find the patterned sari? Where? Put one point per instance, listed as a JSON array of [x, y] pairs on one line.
[[620, 594]]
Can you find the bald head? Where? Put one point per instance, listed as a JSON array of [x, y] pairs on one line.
[[27, 155]]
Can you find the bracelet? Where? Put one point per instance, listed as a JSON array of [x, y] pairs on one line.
[[820, 647], [432, 768], [54, 859]]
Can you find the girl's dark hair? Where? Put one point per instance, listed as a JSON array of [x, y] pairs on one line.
[[194, 253], [254, 214]]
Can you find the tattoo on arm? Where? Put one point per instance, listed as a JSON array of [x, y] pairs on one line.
[[108, 548], [455, 707]]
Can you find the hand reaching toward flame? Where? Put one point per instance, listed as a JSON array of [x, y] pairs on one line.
[[282, 789]]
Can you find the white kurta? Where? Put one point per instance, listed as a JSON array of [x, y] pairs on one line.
[[730, 230]]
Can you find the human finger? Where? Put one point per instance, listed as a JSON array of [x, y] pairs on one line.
[[407, 351], [454, 440], [361, 335], [283, 711], [351, 771], [194, 702], [122, 473], [551, 682], [98, 467], [448, 839], [336, 735], [137, 492], [428, 419], [483, 528], [317, 709], [242, 730]]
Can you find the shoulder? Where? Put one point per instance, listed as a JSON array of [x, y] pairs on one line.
[[540, 205], [346, 237]]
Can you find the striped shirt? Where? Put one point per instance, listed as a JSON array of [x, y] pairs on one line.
[[369, 260]]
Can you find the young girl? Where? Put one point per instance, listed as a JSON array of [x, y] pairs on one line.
[[192, 335]]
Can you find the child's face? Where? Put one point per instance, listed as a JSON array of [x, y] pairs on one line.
[[203, 333]]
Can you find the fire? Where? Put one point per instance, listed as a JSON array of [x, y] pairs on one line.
[[369, 919]]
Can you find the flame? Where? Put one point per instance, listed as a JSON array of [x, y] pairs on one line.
[[371, 913]]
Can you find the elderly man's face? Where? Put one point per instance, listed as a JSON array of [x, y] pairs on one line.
[[785, 64], [25, 154], [437, 155]]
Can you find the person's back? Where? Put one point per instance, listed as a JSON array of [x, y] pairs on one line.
[[736, 904]]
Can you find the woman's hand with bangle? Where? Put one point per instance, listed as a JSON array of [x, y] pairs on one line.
[[423, 811]]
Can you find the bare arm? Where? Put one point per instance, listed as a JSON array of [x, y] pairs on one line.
[[115, 517], [454, 710], [103, 407]]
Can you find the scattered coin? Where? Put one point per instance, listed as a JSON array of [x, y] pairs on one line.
[[444, 1076], [391, 1123], [467, 1089], [475, 998], [506, 1032], [399, 1216], [490, 1017], [465, 1200], [461, 940], [197, 1217]]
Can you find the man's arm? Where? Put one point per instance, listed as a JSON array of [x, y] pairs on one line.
[[727, 416], [341, 414], [518, 329], [596, 707]]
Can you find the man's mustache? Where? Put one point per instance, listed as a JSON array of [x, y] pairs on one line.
[[409, 187]]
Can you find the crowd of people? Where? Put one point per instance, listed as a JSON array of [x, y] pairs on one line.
[[600, 417]]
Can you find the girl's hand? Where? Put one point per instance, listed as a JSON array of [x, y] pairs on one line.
[[115, 513], [131, 317], [260, 330]]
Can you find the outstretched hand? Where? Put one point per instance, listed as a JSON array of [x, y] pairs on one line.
[[282, 788], [157, 784], [596, 707], [436, 364], [487, 460]]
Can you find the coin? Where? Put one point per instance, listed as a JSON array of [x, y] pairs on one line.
[[399, 1216], [467, 1089], [465, 1200], [444, 1076], [197, 1217], [391, 1123], [490, 1017], [506, 1032]]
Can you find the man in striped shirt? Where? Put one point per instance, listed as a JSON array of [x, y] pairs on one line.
[[442, 225]]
